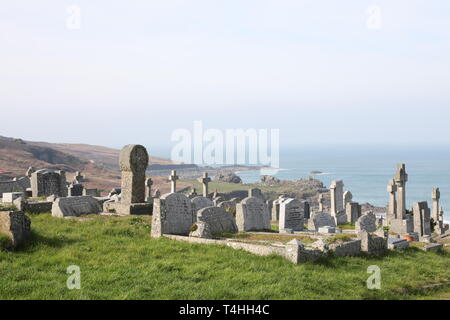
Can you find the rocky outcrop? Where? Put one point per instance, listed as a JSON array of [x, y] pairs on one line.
[[228, 177]]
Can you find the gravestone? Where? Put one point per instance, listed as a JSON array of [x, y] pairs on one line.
[[133, 162], [75, 190], [218, 219], [30, 171], [276, 208], [229, 205], [321, 202], [422, 219], [9, 197], [371, 243], [337, 202], [200, 202], [307, 210], [148, 190], [252, 215], [291, 215], [255, 192], [348, 197], [401, 177], [75, 206], [45, 183], [366, 222], [436, 209], [353, 211], [91, 192], [321, 219], [173, 181], [392, 204], [201, 230], [16, 226], [204, 181], [78, 178], [172, 214]]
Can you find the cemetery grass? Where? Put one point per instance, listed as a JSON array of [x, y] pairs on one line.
[[119, 260]]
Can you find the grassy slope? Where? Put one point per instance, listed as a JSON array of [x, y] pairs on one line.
[[119, 260]]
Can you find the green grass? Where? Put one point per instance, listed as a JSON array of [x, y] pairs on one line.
[[119, 260]]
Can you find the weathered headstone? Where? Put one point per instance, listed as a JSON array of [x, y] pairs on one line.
[[16, 226], [255, 192], [392, 204], [348, 197], [133, 162], [75, 190], [229, 205], [421, 216], [353, 211], [201, 229], [173, 181], [75, 206], [200, 202], [321, 202], [307, 210], [436, 209], [172, 214], [276, 208], [366, 222], [291, 215], [148, 190], [204, 181], [371, 243], [401, 177], [252, 215], [45, 183], [218, 219], [337, 202], [321, 219]]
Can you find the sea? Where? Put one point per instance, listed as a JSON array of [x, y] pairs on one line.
[[366, 170]]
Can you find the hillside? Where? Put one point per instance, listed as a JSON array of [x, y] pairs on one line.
[[98, 164]]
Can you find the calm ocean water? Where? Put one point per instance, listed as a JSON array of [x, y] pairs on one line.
[[366, 171]]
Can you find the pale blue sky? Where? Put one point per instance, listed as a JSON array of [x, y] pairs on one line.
[[137, 70]]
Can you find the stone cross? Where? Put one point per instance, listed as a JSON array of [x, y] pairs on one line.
[[173, 181], [205, 180], [337, 197], [401, 177], [436, 210], [78, 178], [157, 194], [321, 201], [148, 187], [392, 206], [133, 162]]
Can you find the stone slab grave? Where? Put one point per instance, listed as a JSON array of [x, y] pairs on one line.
[[75, 206], [252, 214], [172, 214], [321, 219], [200, 202], [16, 226], [133, 162], [291, 215], [397, 244], [9, 197], [218, 219], [366, 222]]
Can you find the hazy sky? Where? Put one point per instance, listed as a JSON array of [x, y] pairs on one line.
[[320, 71]]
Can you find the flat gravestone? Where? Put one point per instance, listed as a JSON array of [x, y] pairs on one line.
[[252, 214], [291, 215], [321, 219], [172, 214], [75, 206], [218, 220]]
